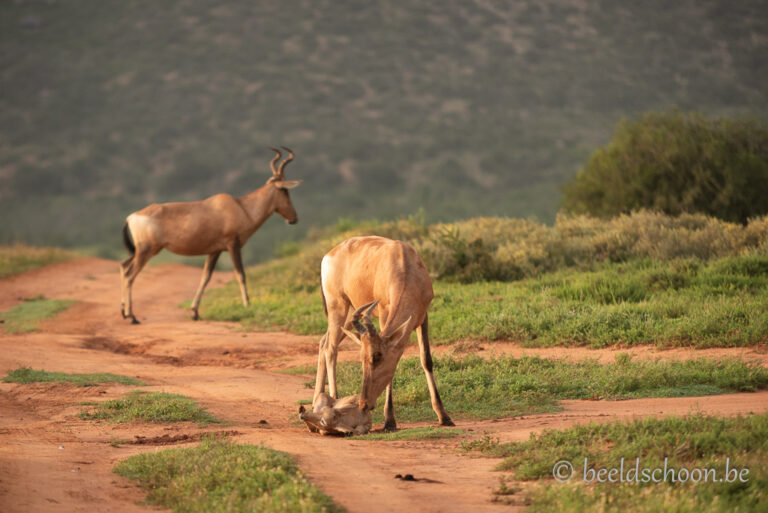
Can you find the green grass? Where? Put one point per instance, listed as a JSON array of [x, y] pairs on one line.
[[156, 407], [219, 476], [304, 369], [425, 433], [695, 441], [680, 302], [19, 258], [473, 387], [28, 375], [25, 317], [683, 302]]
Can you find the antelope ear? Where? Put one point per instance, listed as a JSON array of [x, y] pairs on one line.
[[287, 184], [352, 336], [399, 332]]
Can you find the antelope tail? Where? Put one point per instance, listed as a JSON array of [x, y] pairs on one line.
[[127, 239], [322, 294]]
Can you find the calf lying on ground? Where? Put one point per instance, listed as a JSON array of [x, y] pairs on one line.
[[332, 416]]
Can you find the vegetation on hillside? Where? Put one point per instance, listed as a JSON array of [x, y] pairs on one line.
[[674, 163], [509, 249], [464, 107], [681, 443]]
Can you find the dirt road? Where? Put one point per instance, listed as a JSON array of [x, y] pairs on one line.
[[52, 461]]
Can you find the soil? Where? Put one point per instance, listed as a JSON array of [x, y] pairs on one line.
[[50, 460]]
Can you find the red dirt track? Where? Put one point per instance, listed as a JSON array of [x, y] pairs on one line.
[[52, 461]]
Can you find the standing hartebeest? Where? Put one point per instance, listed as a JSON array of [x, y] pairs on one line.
[[208, 227], [390, 277]]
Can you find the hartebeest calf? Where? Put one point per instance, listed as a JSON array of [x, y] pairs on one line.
[[387, 276], [330, 416], [208, 227]]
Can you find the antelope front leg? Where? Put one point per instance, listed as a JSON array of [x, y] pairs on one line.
[[237, 262], [321, 374], [389, 411], [331, 353], [210, 265]]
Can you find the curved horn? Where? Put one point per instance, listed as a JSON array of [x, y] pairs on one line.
[[275, 159], [368, 326], [286, 161]]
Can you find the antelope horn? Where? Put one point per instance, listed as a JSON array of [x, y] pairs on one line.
[[283, 163], [275, 159], [368, 326]]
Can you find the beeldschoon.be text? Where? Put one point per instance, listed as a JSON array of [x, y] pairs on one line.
[[632, 471]]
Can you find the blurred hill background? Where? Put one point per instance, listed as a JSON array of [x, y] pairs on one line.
[[462, 108]]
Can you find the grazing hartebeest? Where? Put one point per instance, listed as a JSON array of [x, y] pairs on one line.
[[208, 227], [389, 276], [330, 416]]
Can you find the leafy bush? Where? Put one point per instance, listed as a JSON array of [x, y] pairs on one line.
[[677, 162], [482, 249]]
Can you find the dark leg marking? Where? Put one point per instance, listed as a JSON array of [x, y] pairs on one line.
[[389, 411]]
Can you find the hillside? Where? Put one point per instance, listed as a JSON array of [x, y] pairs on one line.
[[462, 108]]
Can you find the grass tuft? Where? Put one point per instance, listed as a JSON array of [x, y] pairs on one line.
[[220, 476], [695, 441], [26, 375], [157, 407], [20, 257], [25, 317]]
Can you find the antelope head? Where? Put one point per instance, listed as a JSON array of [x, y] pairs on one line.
[[380, 352], [283, 205]]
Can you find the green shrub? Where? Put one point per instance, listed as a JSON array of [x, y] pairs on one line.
[[677, 162], [508, 249]]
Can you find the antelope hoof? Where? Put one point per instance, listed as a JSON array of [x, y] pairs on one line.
[[134, 320], [195, 315], [390, 427], [447, 422]]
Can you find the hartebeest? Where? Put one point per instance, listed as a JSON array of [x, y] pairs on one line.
[[387, 276], [208, 227], [330, 416]]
